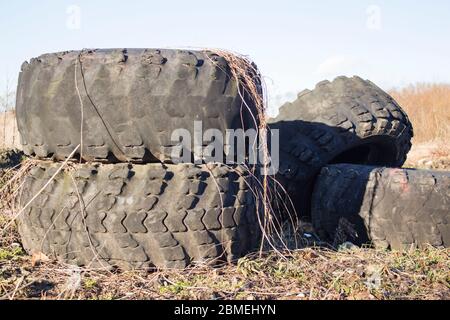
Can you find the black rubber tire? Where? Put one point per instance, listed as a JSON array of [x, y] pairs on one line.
[[139, 216], [349, 120], [10, 158], [391, 208], [133, 99]]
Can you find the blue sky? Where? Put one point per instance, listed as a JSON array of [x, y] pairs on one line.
[[294, 43]]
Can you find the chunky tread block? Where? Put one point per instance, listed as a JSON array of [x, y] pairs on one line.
[[136, 216], [132, 101]]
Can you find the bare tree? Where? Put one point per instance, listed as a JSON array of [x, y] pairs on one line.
[[7, 104]]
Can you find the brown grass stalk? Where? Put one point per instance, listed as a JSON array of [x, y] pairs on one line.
[[428, 107], [251, 86]]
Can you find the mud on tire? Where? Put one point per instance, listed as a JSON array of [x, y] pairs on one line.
[[139, 216], [349, 120], [390, 208], [132, 100]]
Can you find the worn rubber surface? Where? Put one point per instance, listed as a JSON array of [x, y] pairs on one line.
[[139, 216], [349, 120], [391, 208], [10, 158], [132, 101]]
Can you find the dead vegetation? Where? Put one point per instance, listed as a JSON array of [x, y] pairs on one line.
[[303, 274], [428, 107], [9, 136]]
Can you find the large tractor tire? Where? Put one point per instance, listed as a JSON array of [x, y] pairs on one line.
[[390, 208], [122, 105], [349, 120], [139, 216]]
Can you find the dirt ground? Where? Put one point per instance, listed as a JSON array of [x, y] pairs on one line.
[[305, 274], [434, 155]]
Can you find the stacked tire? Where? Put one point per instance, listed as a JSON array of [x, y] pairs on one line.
[[342, 146], [120, 200]]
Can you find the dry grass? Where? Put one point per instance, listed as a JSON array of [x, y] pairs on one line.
[[303, 274], [267, 190], [428, 107]]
